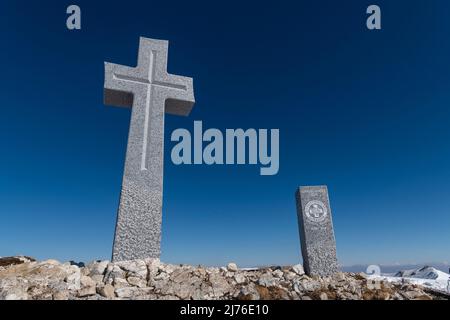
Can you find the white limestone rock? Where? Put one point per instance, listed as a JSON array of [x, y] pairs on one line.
[[232, 267], [298, 269]]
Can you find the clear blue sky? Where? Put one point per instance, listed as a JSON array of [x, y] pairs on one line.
[[366, 113]]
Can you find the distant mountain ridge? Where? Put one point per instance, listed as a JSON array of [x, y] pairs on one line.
[[423, 273], [393, 269], [427, 276]]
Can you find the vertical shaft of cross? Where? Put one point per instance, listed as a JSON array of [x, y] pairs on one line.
[[151, 92], [139, 216]]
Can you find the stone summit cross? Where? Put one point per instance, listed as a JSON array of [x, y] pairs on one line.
[[316, 231], [150, 91]]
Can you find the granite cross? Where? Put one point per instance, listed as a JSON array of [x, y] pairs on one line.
[[150, 91]]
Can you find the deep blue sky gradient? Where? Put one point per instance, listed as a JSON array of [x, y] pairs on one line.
[[366, 113]]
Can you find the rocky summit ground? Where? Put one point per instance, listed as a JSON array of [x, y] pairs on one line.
[[25, 278]]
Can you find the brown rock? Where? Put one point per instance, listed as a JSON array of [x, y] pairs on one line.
[[106, 291], [61, 295], [263, 292], [423, 297], [86, 291]]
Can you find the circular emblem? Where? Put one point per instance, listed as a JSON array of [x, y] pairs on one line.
[[316, 211]]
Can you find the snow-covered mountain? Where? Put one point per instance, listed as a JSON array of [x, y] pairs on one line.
[[426, 276], [423, 273]]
